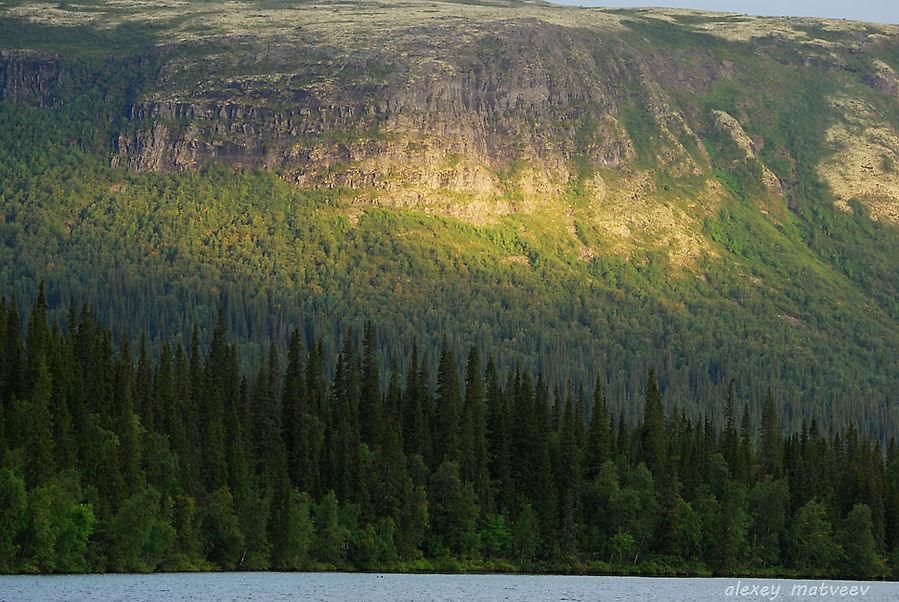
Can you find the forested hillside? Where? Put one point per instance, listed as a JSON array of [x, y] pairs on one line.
[[578, 192], [178, 461]]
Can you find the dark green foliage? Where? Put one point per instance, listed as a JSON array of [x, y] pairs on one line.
[[813, 546], [857, 541], [598, 495], [298, 532], [58, 525], [391, 471], [653, 434], [330, 540], [473, 451], [669, 531], [296, 416], [415, 408], [770, 448], [222, 537], [370, 411], [769, 513], [186, 550], [688, 531], [727, 538], [170, 248], [254, 517], [453, 511], [39, 444], [568, 481], [13, 385], [537, 483], [12, 515], [412, 522], [499, 444], [447, 409], [621, 547], [728, 445], [496, 538], [373, 546], [525, 536], [37, 349], [637, 507], [598, 448], [127, 427], [140, 534], [266, 433]]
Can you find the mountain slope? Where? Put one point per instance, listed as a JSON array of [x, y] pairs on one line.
[[711, 195]]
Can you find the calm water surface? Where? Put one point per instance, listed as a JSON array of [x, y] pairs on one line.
[[341, 586]]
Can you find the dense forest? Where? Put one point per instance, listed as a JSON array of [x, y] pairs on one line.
[[115, 460], [158, 253], [659, 243], [449, 286]]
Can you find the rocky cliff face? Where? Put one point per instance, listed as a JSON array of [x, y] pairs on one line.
[[448, 120], [36, 78]]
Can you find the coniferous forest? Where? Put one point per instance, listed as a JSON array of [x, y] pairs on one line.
[[447, 286], [115, 460]]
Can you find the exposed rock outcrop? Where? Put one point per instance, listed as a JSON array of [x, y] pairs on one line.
[[442, 113]]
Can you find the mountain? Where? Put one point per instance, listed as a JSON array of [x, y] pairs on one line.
[[573, 190]]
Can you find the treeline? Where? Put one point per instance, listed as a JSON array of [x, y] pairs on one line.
[[180, 462]]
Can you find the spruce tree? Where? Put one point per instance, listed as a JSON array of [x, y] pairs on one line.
[[64, 435], [580, 418], [669, 528], [370, 413], [653, 433], [296, 419], [343, 426], [725, 557], [499, 445], [448, 409], [39, 461], [728, 444], [525, 436], [623, 438], [473, 433], [391, 471], [186, 447], [770, 460], [279, 531], [266, 436], [745, 455], [169, 417], [37, 344], [237, 466], [317, 401], [597, 450], [127, 427], [144, 404], [13, 383], [414, 427], [212, 433], [891, 498], [568, 481]]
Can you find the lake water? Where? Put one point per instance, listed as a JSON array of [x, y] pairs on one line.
[[375, 587]]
